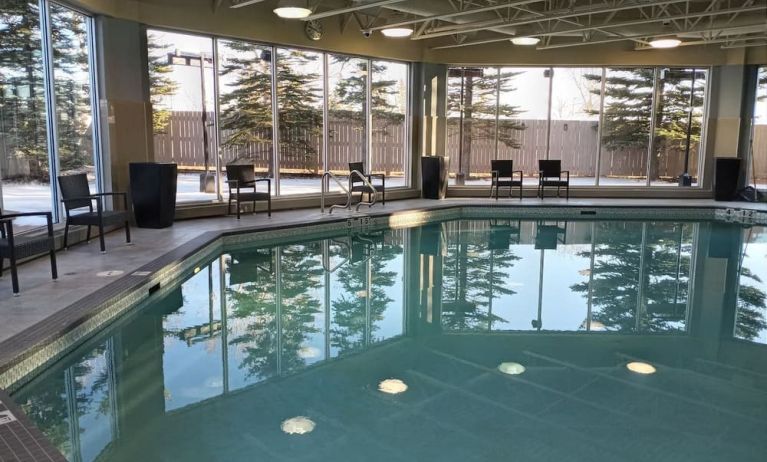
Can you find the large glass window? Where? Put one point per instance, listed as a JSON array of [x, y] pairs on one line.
[[758, 167], [389, 118], [598, 121], [245, 106], [574, 137], [347, 110], [181, 76], [751, 308], [26, 182]]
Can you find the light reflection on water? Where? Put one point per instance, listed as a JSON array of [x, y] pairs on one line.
[[210, 371]]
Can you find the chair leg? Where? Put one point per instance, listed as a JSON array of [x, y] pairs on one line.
[[101, 237], [127, 232], [229, 206], [88, 234], [567, 191], [238, 208], [269, 206], [383, 196], [66, 234], [14, 274], [254, 207], [1, 267], [520, 192], [54, 269]]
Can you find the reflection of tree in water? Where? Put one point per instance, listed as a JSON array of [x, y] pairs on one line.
[[46, 404], [349, 306], [255, 302], [750, 320], [472, 274], [616, 274]]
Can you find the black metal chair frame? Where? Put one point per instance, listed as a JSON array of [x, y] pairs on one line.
[[15, 248], [363, 188], [501, 169], [100, 218], [549, 169], [246, 178]]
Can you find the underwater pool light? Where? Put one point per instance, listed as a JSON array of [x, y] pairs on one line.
[[392, 386], [308, 352], [511, 368], [298, 425], [640, 368]]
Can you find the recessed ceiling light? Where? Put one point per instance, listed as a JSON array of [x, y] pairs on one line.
[[525, 41], [641, 368], [397, 32], [292, 9], [511, 368], [392, 386], [298, 425], [667, 42]]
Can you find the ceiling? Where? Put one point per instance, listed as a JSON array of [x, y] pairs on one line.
[[442, 24]]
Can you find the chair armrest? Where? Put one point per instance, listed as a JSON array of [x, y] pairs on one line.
[[376, 175], [521, 174], [268, 180], [268, 184], [568, 174], [82, 198], [114, 193]]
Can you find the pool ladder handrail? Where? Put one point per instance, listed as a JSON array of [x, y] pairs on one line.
[[326, 187]]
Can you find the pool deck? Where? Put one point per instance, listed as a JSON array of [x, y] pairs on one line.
[[81, 267]]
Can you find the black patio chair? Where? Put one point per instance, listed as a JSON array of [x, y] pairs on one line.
[[76, 195], [357, 185], [550, 174], [15, 247], [503, 177], [241, 178]]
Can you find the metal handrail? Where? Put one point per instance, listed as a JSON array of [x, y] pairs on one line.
[[368, 184], [326, 187]]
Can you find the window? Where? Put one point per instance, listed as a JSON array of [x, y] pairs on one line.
[[47, 125], [389, 118], [347, 113], [758, 167], [182, 79], [245, 106], [597, 121], [751, 308]]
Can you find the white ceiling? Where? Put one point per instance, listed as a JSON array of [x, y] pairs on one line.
[[558, 23]]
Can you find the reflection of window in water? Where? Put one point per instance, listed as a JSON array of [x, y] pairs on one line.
[[751, 314]]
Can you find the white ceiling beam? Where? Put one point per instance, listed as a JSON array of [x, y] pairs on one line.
[[350, 9], [245, 3], [458, 13]]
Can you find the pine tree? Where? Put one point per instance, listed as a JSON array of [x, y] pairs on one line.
[[22, 103], [161, 85]]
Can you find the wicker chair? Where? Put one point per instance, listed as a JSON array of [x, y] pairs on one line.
[[15, 247], [503, 177], [243, 176], [76, 195], [550, 174], [357, 185]]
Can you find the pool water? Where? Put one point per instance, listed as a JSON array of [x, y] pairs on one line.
[[386, 345]]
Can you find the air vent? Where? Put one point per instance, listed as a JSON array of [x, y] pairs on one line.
[[588, 212]]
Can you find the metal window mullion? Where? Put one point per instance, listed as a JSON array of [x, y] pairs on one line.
[[278, 306], [216, 112], [275, 125], [112, 388], [640, 287], [369, 117], [600, 124], [50, 105], [325, 113], [224, 322], [548, 124], [497, 108], [590, 301], [98, 148], [654, 107], [70, 390]]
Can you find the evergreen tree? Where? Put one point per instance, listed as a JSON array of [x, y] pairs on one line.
[[22, 103], [161, 85]]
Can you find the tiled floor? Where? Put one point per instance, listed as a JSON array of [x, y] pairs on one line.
[[82, 268]]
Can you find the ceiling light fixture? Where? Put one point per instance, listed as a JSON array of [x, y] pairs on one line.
[[292, 9], [397, 32], [527, 41], [665, 42]]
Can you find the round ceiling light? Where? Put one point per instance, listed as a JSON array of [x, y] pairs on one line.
[[397, 32], [666, 42], [640, 368], [525, 41], [392, 386], [298, 425], [511, 368], [292, 9]]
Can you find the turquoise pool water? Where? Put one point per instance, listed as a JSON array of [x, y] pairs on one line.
[[386, 345]]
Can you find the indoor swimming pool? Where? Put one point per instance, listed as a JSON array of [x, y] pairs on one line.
[[466, 340]]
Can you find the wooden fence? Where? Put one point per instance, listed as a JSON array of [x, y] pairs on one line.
[[183, 143], [573, 141]]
